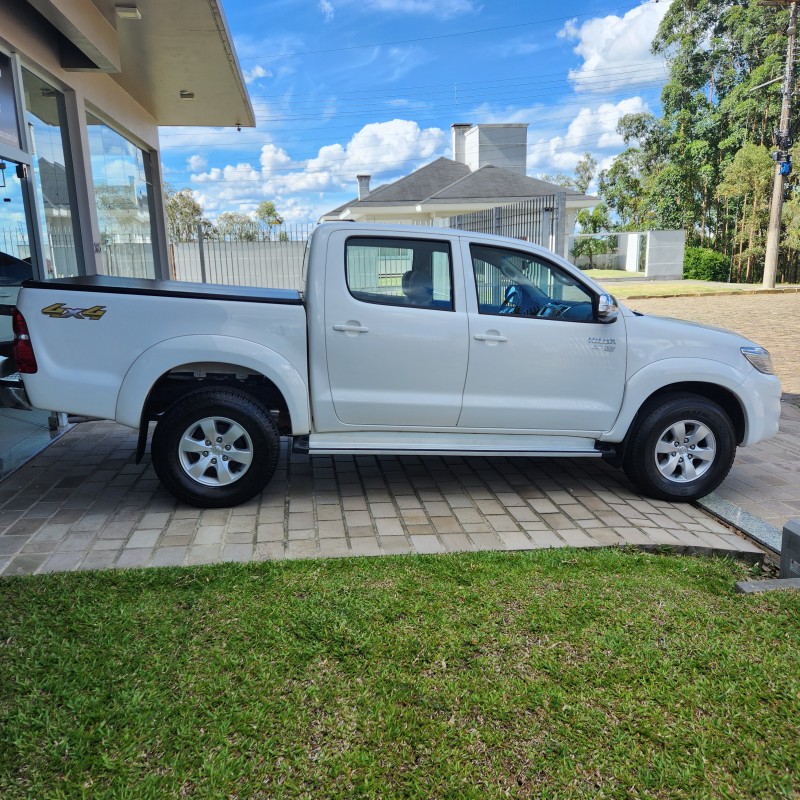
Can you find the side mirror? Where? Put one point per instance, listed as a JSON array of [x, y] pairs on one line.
[[607, 308]]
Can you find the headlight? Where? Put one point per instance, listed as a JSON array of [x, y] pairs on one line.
[[759, 358]]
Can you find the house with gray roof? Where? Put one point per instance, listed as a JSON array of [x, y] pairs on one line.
[[488, 170]]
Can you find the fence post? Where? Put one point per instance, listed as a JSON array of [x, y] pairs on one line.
[[202, 253], [559, 221]]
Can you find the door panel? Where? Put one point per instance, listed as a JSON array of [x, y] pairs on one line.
[[395, 339], [537, 359]]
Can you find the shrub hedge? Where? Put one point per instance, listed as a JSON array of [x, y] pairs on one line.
[[704, 264]]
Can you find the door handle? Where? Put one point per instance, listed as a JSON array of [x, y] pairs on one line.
[[349, 328], [490, 337]]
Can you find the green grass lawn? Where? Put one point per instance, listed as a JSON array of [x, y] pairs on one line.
[[555, 674]]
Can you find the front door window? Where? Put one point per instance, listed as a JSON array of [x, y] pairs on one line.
[[520, 284]]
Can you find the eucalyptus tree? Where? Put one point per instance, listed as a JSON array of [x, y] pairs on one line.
[[719, 53], [184, 215]]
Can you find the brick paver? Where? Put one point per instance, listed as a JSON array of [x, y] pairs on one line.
[[84, 504]]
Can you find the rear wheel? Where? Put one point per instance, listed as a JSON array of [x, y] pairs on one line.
[[682, 449], [215, 448]]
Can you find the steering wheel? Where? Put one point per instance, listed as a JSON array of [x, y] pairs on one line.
[[519, 301]]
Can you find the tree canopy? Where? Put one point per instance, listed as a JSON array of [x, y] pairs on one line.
[[184, 215], [705, 165]]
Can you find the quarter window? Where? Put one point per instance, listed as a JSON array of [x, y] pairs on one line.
[[400, 272], [513, 283]]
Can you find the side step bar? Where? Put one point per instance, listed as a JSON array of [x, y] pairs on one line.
[[302, 446]]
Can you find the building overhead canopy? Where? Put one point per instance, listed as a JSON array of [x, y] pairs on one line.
[[174, 57]]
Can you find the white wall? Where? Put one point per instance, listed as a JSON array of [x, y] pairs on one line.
[[665, 254]]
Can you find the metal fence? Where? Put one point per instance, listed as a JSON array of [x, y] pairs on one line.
[[540, 220], [276, 260], [14, 242], [270, 262]]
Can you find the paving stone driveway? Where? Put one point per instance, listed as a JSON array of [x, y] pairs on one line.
[[84, 504]]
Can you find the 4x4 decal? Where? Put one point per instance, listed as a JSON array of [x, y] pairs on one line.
[[60, 311]]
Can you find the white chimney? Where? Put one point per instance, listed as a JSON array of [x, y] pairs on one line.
[[504, 145], [459, 130], [363, 186]]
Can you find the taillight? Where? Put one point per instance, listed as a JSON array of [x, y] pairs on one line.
[[23, 349]]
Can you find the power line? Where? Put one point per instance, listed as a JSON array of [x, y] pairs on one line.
[[433, 113], [566, 144], [543, 120], [624, 69], [440, 36]]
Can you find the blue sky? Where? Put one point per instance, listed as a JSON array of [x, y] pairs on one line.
[[343, 87]]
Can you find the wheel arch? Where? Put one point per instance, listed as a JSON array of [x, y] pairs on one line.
[[725, 398], [170, 369], [713, 380]]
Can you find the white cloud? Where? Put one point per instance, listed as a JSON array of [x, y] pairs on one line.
[[273, 157], [241, 173], [327, 9], [256, 73], [592, 130], [616, 50], [196, 163], [385, 150]]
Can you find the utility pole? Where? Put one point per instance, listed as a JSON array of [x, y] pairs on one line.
[[783, 142]]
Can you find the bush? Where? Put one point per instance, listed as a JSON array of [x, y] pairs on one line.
[[704, 264]]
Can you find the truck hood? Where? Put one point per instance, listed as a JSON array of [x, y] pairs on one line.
[[652, 338]]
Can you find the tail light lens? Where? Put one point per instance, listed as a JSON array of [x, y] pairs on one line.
[[23, 349]]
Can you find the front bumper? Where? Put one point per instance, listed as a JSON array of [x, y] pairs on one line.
[[761, 397]]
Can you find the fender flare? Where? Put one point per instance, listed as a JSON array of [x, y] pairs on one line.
[[668, 372], [171, 353]]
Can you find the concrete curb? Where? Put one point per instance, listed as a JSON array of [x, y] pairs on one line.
[[775, 585], [755, 528]]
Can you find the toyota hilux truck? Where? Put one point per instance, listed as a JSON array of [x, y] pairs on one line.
[[406, 340]]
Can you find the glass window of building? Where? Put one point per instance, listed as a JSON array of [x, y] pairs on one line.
[[45, 116], [124, 197]]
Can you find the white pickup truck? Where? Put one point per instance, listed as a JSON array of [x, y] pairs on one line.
[[407, 340]]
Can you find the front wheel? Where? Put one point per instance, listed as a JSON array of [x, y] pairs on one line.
[[215, 448], [682, 449]]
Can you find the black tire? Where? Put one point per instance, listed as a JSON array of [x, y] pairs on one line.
[[687, 469], [220, 470]]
